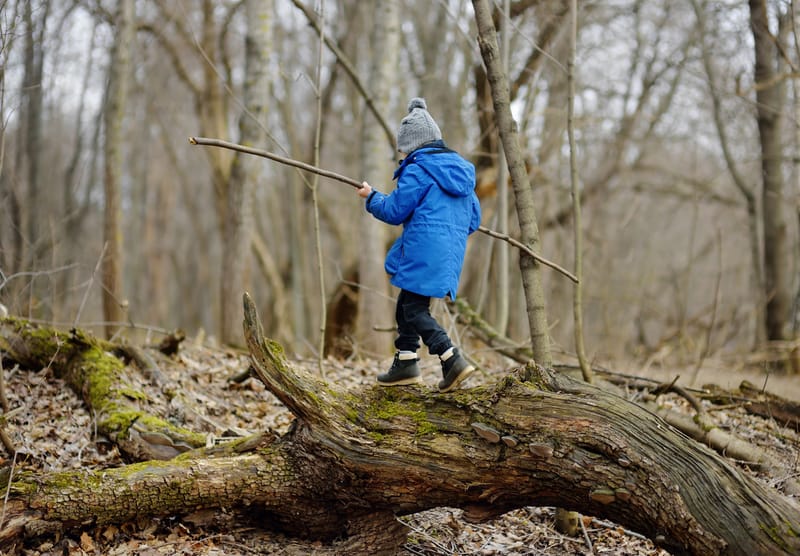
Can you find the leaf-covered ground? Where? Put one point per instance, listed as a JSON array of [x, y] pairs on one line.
[[52, 430]]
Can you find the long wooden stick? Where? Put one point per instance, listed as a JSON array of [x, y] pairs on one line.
[[206, 141]]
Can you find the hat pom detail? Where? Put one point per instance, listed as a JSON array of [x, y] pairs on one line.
[[417, 128], [417, 102]]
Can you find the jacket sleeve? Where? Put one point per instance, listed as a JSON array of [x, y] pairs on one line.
[[475, 220], [396, 207]]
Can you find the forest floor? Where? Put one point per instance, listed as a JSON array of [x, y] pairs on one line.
[[54, 431]]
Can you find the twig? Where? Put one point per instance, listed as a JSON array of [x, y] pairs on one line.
[[430, 538], [320, 26], [521, 246], [210, 142], [89, 287], [610, 525], [577, 296], [206, 141], [710, 329], [94, 324], [681, 391], [586, 535], [6, 279], [8, 489], [220, 536], [3, 399], [8, 444]]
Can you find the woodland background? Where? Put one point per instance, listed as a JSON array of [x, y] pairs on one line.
[[110, 220]]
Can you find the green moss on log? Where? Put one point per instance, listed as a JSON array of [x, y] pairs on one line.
[[390, 407], [90, 367]]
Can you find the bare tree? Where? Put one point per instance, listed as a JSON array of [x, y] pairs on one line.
[[770, 97], [526, 213], [315, 199], [200, 63], [576, 195], [75, 212], [119, 68], [377, 155], [746, 189], [532, 30], [33, 94], [246, 170], [9, 250], [503, 280]]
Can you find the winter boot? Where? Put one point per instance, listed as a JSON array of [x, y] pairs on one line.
[[455, 370], [404, 370]]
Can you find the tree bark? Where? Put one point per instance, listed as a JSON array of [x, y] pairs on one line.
[[33, 93], [119, 68], [577, 304], [770, 98], [740, 182], [354, 459], [11, 248], [238, 224], [377, 156]]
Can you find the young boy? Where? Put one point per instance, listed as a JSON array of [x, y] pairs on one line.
[[435, 202]]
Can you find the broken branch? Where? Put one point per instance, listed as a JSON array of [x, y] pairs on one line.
[[206, 141]]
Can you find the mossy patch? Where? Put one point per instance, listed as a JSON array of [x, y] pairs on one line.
[[388, 409], [776, 536]]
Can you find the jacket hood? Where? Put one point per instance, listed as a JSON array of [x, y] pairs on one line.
[[452, 173]]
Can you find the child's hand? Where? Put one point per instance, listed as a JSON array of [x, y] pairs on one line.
[[364, 190]]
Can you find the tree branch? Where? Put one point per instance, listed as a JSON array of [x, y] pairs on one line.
[[206, 141], [344, 61]]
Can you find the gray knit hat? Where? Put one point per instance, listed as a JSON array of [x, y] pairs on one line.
[[417, 128]]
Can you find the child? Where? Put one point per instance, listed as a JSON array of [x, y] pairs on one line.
[[435, 202]]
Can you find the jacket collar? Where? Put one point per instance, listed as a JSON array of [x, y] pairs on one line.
[[438, 144]]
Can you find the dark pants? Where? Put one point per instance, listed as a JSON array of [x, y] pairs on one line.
[[414, 321]]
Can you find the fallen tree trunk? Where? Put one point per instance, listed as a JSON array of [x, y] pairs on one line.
[[90, 367], [353, 460]]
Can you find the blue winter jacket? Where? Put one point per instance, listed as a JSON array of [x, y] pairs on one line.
[[435, 202]]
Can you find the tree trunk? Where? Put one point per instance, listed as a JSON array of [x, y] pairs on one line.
[[769, 104], [353, 459], [33, 93], [10, 248], [119, 69], [745, 188], [377, 155], [577, 304], [526, 213], [73, 213], [238, 223], [503, 294]]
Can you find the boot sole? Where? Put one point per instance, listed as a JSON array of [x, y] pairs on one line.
[[403, 382], [458, 380]]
